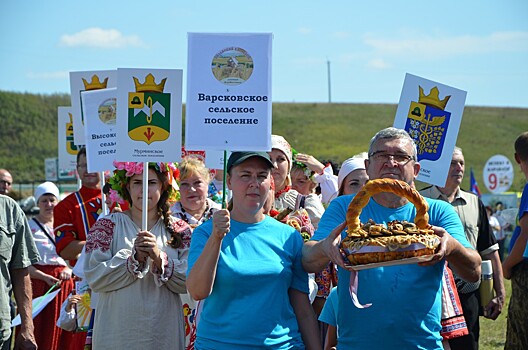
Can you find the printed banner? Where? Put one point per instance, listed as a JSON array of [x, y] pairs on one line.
[[431, 113], [67, 148], [149, 119], [99, 110], [87, 81], [228, 92]]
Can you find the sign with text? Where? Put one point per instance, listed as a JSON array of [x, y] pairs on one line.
[[431, 113], [67, 148], [229, 92], [149, 115], [87, 81], [99, 110], [498, 174], [213, 159]]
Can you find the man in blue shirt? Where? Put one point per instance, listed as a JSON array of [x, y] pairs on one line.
[[406, 299]]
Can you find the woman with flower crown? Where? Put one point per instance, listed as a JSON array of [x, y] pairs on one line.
[[139, 274], [193, 208]]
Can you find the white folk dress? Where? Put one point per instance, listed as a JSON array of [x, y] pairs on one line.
[[138, 306]]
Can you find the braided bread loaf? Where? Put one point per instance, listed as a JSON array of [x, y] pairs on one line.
[[373, 243]]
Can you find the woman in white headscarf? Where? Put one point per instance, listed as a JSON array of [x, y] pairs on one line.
[[50, 271]]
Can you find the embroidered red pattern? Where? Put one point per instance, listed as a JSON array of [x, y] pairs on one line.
[[100, 235], [184, 230]]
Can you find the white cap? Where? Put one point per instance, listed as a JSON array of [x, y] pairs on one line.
[[44, 188], [486, 268], [349, 166]]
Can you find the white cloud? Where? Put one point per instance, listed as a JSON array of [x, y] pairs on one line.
[[378, 63], [60, 75], [304, 30], [100, 38], [441, 47]]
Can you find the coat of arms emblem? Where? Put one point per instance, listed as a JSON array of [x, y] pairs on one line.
[[71, 148], [427, 123], [149, 111]]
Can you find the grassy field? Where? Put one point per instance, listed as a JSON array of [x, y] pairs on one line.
[[493, 333]]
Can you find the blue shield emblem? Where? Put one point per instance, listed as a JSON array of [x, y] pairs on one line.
[[427, 126]]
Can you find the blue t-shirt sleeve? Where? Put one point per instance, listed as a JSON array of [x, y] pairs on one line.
[[329, 313], [443, 215], [523, 210], [334, 215], [299, 276], [199, 238]]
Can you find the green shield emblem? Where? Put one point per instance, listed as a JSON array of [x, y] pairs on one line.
[[148, 116]]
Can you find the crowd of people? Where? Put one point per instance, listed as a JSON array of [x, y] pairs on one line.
[[264, 270]]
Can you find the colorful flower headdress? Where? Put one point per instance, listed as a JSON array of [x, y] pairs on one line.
[[307, 171], [125, 170]]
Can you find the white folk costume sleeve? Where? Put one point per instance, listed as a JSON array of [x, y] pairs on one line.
[[173, 270], [328, 183], [66, 319], [315, 208], [109, 264]]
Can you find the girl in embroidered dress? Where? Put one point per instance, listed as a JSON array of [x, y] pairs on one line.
[[139, 274], [194, 208]]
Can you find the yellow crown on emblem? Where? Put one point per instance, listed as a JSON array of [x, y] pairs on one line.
[[432, 99], [95, 84], [149, 85]]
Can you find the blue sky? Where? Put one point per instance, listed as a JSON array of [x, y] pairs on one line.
[[477, 46]]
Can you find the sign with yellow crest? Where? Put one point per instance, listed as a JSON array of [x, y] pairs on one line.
[[431, 113], [149, 122], [87, 81]]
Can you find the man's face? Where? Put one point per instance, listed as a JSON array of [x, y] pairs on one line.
[[6, 181], [393, 159], [90, 180], [456, 170]]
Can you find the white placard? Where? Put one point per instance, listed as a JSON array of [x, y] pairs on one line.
[[67, 148], [100, 131], [498, 174], [50, 169], [213, 159], [431, 113], [149, 119], [38, 304], [87, 81], [229, 92]]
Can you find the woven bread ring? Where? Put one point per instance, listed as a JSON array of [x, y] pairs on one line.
[[398, 187], [361, 247]]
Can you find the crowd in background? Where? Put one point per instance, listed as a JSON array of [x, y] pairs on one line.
[[261, 270]]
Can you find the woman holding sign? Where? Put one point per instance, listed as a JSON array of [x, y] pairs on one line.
[[139, 274], [247, 267]]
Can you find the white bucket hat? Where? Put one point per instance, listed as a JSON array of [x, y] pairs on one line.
[[44, 188]]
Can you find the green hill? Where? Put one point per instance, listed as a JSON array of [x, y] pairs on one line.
[[28, 132]]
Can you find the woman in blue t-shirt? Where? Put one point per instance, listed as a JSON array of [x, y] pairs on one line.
[[247, 267]]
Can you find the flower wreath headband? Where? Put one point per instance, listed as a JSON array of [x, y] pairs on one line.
[[307, 171], [125, 170]]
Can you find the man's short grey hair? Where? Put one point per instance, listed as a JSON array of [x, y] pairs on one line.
[[390, 134], [458, 150]]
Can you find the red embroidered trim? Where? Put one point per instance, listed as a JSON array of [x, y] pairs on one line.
[[100, 236], [284, 190]]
